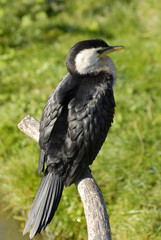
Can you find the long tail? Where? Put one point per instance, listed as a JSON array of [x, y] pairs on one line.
[[45, 204]]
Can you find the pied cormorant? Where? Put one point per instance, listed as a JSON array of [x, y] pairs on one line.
[[74, 125]]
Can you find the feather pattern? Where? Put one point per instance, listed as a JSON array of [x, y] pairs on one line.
[[80, 116], [88, 126]]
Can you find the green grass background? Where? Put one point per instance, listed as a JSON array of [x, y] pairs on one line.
[[35, 37]]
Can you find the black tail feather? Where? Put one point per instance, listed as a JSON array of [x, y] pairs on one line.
[[45, 204]]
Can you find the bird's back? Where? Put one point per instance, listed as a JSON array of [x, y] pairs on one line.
[[81, 129]]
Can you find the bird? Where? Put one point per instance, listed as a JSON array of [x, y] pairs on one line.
[[74, 125]]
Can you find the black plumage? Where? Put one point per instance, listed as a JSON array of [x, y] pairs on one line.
[[73, 127]]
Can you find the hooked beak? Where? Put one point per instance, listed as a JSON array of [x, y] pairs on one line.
[[110, 49]]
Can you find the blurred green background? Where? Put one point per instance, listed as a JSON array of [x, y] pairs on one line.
[[35, 37]]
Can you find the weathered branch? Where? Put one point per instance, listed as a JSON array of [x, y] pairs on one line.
[[91, 196]]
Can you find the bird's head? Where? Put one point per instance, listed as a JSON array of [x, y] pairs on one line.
[[90, 56]]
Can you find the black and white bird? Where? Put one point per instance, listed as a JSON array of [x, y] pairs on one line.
[[74, 125]]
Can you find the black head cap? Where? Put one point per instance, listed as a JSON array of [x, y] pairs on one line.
[[78, 47]]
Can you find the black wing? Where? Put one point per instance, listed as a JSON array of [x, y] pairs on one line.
[[89, 122], [52, 113]]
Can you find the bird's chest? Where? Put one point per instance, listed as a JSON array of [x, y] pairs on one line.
[[90, 93], [90, 114], [91, 111]]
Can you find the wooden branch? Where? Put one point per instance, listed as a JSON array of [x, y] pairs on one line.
[[30, 126], [94, 207]]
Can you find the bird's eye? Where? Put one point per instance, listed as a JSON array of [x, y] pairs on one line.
[[100, 51]]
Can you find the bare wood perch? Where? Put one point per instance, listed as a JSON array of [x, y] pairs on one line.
[[94, 207]]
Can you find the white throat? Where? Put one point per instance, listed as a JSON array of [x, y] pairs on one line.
[[87, 61]]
